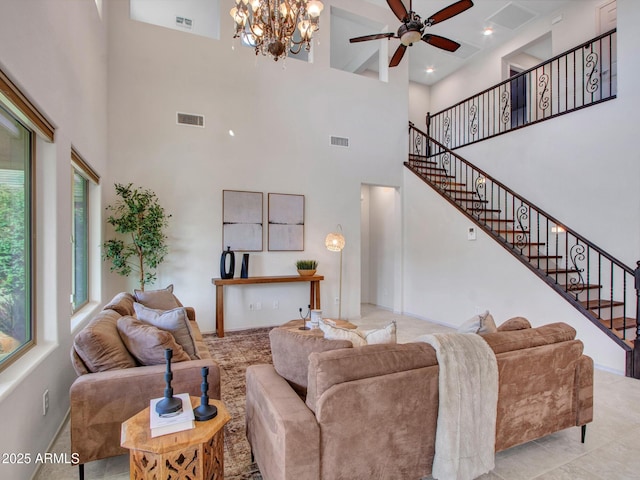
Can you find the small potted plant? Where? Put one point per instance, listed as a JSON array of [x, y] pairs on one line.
[[306, 267]]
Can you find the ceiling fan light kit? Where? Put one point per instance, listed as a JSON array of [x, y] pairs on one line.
[[413, 28], [270, 25]]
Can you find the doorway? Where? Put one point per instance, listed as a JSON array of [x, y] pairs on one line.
[[381, 247]]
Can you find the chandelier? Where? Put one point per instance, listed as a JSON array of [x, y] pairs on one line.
[[271, 25]]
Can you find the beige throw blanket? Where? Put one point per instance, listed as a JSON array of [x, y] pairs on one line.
[[468, 390]]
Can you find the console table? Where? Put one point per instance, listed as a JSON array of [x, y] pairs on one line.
[[314, 291]]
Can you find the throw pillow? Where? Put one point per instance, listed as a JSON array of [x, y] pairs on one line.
[[163, 299], [358, 337], [175, 321], [482, 323], [99, 345], [148, 343], [515, 323]]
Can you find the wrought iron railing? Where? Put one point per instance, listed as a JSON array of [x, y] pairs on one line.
[[603, 288], [583, 76]]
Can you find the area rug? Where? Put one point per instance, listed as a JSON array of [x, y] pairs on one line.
[[234, 353]]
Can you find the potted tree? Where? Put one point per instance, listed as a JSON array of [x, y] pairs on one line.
[[141, 245]]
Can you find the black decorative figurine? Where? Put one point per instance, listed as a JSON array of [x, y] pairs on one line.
[[304, 318], [224, 273], [205, 411], [244, 271], [169, 405]]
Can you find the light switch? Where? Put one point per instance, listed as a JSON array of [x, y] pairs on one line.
[[471, 233]]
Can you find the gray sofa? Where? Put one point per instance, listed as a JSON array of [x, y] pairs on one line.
[[371, 412]]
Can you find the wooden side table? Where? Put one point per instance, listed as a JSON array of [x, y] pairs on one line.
[[196, 453]]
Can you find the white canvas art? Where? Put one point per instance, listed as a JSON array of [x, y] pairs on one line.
[[286, 222], [242, 220]]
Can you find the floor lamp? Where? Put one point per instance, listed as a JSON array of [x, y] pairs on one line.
[[335, 243]]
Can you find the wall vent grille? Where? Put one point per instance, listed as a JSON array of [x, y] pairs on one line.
[[340, 141], [190, 119]]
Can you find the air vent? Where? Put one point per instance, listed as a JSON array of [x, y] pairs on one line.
[[191, 119], [511, 16], [184, 22], [340, 141]]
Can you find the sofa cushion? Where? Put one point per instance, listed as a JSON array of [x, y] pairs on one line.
[[357, 337], [99, 345], [515, 323], [162, 299], [508, 341], [348, 364], [290, 353], [121, 303], [175, 321], [482, 323], [148, 343]]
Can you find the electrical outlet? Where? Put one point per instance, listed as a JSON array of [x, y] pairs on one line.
[[276, 305], [471, 233], [45, 402], [259, 306], [336, 301], [251, 307]]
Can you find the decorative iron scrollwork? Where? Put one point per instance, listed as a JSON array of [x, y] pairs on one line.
[[417, 144], [505, 100], [479, 184], [447, 131], [521, 238], [576, 254], [543, 91], [473, 120], [445, 161], [591, 72]]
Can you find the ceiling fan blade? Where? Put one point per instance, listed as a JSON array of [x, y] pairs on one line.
[[397, 56], [441, 42], [450, 11], [398, 8], [375, 36]]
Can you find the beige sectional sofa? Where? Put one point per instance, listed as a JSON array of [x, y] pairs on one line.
[[112, 385], [371, 412]]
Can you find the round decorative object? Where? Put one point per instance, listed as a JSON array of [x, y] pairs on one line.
[[306, 273]]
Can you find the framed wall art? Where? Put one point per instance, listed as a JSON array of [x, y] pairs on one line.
[[286, 222], [242, 220]]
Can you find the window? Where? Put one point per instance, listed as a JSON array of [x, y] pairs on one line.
[[20, 123], [16, 220], [83, 177], [80, 241]]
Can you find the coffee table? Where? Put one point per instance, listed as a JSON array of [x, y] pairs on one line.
[[294, 326], [196, 453]]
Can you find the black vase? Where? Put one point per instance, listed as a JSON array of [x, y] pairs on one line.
[[244, 271], [224, 273]]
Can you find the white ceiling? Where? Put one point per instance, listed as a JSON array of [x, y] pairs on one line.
[[467, 29], [208, 18]]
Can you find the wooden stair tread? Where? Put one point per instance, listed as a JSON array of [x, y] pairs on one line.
[[504, 220], [570, 286], [619, 323], [552, 271], [591, 304], [475, 200], [476, 210], [531, 257]]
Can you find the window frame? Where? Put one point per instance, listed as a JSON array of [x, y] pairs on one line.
[[80, 167], [20, 107]]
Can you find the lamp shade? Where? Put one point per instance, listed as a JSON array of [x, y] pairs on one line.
[[334, 242]]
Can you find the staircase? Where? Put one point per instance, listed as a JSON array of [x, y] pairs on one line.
[[602, 288]]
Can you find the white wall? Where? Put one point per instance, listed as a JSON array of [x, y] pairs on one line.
[[419, 104], [582, 168], [56, 53], [282, 118]]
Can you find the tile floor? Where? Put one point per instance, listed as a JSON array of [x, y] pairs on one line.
[[608, 453]]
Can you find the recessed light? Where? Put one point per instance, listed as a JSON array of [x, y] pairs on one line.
[[232, 133], [430, 70], [487, 31]]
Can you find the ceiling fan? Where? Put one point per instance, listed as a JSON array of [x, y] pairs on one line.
[[413, 27]]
